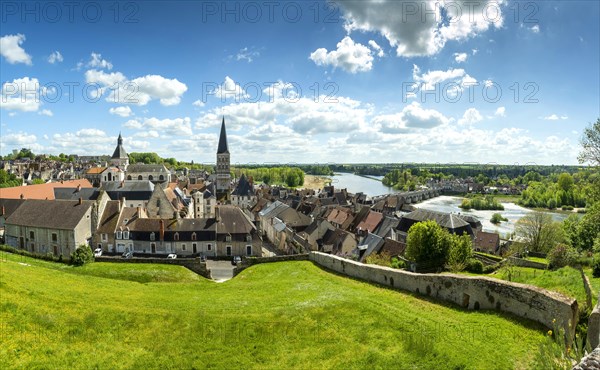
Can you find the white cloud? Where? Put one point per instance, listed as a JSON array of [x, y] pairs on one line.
[[422, 28], [198, 103], [470, 117], [500, 112], [97, 61], [17, 140], [167, 126], [11, 50], [22, 94], [87, 140], [474, 51], [411, 116], [229, 90], [555, 117], [247, 54], [123, 111], [46, 112], [304, 115], [350, 56], [460, 57], [535, 29], [55, 57], [138, 91], [376, 48]]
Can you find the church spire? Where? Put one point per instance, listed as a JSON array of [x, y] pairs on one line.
[[120, 139], [223, 147]]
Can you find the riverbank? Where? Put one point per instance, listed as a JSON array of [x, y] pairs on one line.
[[315, 182]]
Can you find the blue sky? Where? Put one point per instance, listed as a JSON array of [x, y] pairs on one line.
[[305, 82]]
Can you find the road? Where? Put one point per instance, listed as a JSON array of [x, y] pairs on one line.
[[220, 270]]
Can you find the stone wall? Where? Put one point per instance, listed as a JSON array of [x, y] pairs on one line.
[[593, 332], [471, 292], [250, 261], [193, 264]]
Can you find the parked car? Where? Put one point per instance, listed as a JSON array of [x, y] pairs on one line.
[[172, 256], [235, 260], [98, 252], [127, 255]]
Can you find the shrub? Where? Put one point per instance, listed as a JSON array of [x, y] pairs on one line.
[[82, 255], [397, 263], [475, 266], [561, 255], [489, 269], [497, 218], [596, 270]]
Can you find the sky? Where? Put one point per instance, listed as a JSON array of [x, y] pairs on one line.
[[302, 81]]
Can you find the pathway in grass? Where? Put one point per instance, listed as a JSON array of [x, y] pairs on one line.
[[280, 315]]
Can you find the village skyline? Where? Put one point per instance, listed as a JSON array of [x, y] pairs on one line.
[[310, 82]]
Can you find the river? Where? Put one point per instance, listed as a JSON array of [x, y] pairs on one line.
[[373, 187]]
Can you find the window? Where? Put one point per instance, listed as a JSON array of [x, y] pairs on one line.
[[126, 234], [129, 177], [194, 237], [32, 235], [228, 238], [209, 247], [176, 237], [152, 236], [229, 250], [119, 234], [150, 177], [139, 177], [104, 237], [248, 250], [54, 237], [161, 178], [249, 238], [182, 247]]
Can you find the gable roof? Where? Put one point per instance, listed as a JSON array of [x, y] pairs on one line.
[[371, 221], [41, 191], [8, 206], [109, 218], [50, 214], [243, 188], [449, 221], [75, 194], [95, 170], [142, 167], [231, 220]]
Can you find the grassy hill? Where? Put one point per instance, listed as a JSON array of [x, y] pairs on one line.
[[280, 315]]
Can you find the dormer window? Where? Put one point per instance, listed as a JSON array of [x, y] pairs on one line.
[[125, 221], [176, 237], [228, 238], [248, 238], [126, 234], [152, 236], [194, 237], [119, 234]]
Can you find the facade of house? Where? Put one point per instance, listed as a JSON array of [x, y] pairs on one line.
[[51, 226], [243, 195], [155, 173], [236, 234]]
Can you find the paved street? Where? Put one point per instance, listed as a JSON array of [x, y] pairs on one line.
[[220, 270]]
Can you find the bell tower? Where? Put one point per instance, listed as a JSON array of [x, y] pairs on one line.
[[223, 166]]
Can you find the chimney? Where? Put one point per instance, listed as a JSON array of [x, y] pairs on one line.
[[162, 229], [80, 202], [139, 212], [3, 211]]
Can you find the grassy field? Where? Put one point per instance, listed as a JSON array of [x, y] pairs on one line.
[[566, 280], [280, 315]]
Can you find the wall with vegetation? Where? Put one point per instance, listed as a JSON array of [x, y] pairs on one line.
[[192, 264], [471, 292]]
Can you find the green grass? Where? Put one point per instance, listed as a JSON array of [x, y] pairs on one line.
[[279, 315], [537, 259], [566, 280]]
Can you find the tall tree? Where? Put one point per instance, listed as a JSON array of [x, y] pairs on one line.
[[539, 232], [590, 143]]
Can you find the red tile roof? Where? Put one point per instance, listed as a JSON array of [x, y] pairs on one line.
[[41, 191]]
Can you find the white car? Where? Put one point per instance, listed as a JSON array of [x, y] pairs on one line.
[[172, 256], [97, 252]]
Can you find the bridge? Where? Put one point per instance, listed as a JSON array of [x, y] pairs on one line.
[[409, 197]]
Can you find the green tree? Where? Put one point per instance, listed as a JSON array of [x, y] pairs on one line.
[[561, 255], [459, 252], [565, 182], [590, 144], [427, 243], [82, 255], [538, 232]]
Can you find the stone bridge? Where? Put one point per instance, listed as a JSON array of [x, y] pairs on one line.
[[415, 196]]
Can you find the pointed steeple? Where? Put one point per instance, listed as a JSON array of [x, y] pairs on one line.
[[223, 147], [120, 139], [119, 152]]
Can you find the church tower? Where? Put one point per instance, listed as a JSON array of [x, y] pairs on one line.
[[120, 158], [223, 170]]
